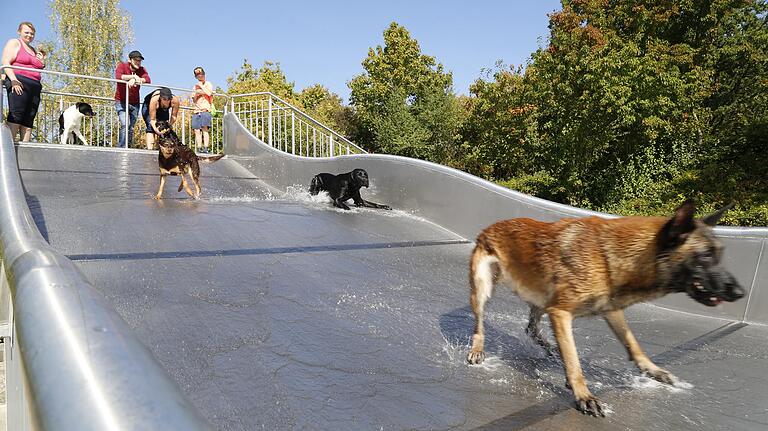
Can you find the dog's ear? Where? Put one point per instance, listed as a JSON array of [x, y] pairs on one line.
[[677, 229], [713, 218]]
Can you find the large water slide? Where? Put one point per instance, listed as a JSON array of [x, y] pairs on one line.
[[259, 307]]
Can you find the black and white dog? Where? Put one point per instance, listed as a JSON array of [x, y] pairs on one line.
[[343, 187], [70, 121]]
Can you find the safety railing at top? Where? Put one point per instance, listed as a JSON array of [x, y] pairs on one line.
[[285, 127], [102, 129]]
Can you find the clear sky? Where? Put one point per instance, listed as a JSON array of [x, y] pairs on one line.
[[314, 41]]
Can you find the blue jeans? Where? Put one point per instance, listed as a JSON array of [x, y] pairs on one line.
[[133, 112]]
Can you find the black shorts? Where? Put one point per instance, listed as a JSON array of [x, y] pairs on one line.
[[160, 115], [22, 108]]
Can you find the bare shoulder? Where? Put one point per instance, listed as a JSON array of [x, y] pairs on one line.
[[12, 44]]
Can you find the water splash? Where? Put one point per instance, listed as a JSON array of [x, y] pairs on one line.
[[240, 199], [647, 383]]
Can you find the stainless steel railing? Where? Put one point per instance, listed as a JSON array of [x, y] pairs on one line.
[[71, 362], [270, 118], [281, 125], [102, 129]]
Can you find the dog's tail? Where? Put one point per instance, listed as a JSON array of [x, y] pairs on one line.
[[209, 159], [483, 272], [316, 186]]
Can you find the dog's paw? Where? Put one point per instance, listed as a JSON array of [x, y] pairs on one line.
[[475, 357], [157, 197], [589, 405], [662, 376], [386, 207], [551, 352]]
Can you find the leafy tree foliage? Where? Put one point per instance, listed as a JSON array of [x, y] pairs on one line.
[[404, 101], [327, 108], [633, 106], [90, 38], [269, 77]]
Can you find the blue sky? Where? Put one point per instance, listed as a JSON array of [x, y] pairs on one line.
[[314, 41]]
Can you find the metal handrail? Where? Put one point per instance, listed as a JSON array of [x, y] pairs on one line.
[[107, 99], [294, 108], [62, 93], [100, 78]]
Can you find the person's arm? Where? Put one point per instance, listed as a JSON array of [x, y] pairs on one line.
[[124, 72], [10, 51], [154, 101], [174, 109], [41, 56], [208, 88], [145, 77]]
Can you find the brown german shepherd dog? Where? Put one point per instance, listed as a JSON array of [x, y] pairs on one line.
[[587, 266], [175, 158]]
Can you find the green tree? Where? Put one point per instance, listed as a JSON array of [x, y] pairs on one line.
[[327, 108], [499, 135], [90, 38], [633, 106], [268, 78], [616, 96], [404, 100]]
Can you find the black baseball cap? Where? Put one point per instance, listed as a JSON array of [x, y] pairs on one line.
[[135, 54], [165, 93]]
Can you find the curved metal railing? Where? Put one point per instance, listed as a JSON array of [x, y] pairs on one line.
[[71, 362], [287, 128], [270, 118]]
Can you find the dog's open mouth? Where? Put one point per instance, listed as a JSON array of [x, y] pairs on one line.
[[712, 301], [700, 293]]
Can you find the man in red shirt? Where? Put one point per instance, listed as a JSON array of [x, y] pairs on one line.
[[133, 72]]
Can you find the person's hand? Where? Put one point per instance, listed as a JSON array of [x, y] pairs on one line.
[[131, 82], [17, 87]]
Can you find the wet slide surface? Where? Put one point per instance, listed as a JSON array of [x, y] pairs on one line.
[[277, 311]]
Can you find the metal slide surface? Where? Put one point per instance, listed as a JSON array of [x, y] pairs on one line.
[[273, 310]]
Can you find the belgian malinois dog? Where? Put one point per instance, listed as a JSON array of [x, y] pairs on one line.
[[175, 158], [587, 266]]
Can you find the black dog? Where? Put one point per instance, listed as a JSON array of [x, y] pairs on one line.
[[175, 158], [343, 187], [70, 121]]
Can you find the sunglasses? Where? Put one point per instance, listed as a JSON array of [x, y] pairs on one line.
[[199, 73]]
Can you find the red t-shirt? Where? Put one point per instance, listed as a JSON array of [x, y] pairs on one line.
[[133, 93]]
